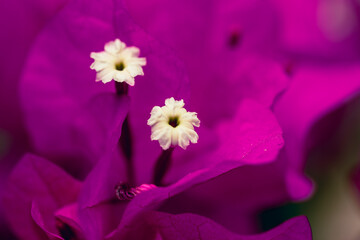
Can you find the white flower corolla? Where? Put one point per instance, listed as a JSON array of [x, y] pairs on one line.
[[118, 63], [172, 125]]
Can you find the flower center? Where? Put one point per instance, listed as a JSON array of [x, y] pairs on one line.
[[120, 66], [174, 121]]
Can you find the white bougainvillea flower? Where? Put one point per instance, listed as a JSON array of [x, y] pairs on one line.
[[172, 125], [118, 63]]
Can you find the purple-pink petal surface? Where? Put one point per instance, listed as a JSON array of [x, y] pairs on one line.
[[36, 190], [58, 84], [314, 93], [158, 225]]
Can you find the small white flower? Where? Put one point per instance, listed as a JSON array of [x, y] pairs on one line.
[[117, 62], [173, 125]]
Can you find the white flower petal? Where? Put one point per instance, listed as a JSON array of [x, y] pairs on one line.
[[116, 52], [167, 134]]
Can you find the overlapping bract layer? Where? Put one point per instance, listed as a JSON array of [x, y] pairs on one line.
[[235, 76]]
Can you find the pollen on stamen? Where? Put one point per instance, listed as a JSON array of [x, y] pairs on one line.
[[118, 62], [172, 125]]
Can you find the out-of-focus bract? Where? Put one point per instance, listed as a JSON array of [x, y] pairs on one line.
[[88, 150]]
